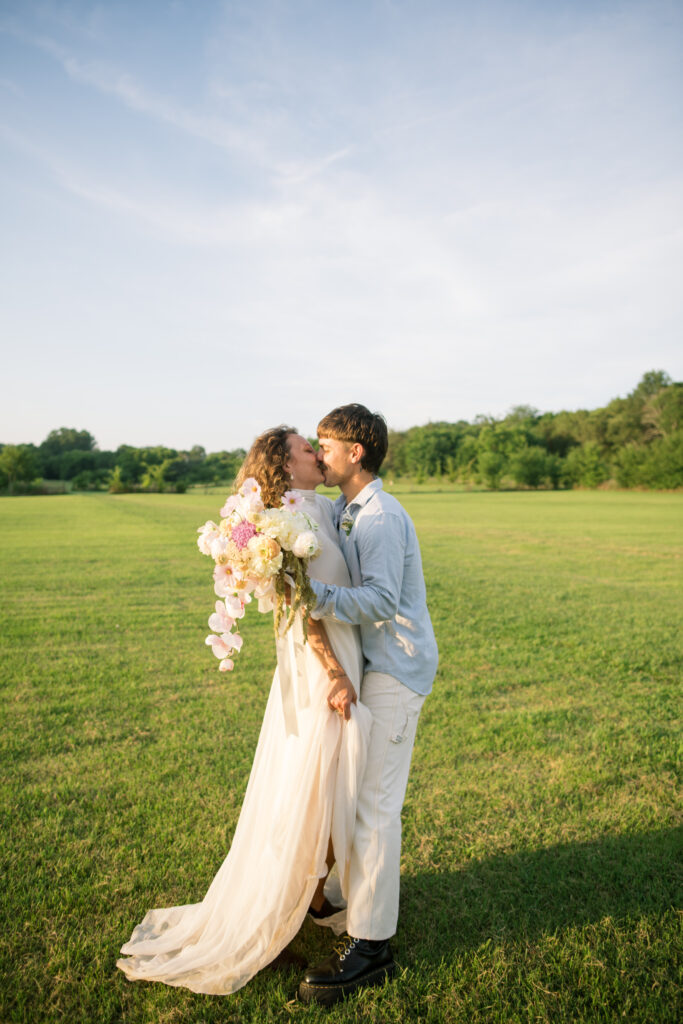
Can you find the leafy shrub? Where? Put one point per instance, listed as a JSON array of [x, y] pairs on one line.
[[585, 466], [491, 466]]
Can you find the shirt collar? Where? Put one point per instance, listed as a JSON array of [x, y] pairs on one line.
[[363, 497]]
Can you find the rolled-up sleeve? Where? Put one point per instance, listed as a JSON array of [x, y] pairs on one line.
[[381, 542]]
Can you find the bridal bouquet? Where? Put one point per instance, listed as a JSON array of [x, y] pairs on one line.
[[258, 551]]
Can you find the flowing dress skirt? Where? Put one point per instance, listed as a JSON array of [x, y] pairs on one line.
[[302, 789]]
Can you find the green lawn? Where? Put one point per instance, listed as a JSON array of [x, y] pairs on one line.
[[542, 822]]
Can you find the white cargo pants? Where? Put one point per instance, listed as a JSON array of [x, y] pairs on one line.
[[375, 868]]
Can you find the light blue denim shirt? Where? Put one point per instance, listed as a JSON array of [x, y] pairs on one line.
[[387, 598]]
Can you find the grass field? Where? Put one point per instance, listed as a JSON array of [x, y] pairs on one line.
[[541, 860]]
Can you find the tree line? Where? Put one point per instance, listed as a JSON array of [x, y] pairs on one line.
[[72, 458], [635, 441]]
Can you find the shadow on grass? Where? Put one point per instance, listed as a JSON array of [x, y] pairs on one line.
[[530, 894]]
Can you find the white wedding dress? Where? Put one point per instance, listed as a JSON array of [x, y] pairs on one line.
[[303, 786]]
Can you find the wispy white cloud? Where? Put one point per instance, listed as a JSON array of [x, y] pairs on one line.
[[248, 144]]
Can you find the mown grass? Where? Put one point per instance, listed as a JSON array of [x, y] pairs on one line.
[[541, 860]]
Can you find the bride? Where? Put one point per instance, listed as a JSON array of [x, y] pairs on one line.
[[299, 808]]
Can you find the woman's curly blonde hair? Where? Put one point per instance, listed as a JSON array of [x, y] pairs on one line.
[[265, 461]]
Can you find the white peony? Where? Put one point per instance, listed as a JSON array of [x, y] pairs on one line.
[[306, 545]]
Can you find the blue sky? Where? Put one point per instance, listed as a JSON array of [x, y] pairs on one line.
[[220, 216]]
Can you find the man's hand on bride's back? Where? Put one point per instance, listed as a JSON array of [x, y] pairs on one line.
[[342, 695]]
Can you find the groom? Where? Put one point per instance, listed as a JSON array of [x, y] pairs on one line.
[[387, 600]]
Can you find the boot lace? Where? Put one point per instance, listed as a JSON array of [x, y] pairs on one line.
[[344, 946]]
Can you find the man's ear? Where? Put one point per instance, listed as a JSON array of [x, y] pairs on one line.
[[356, 452]]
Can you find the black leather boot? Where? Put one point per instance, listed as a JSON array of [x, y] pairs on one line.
[[352, 964]]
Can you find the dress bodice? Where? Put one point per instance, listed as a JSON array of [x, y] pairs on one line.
[[328, 566]]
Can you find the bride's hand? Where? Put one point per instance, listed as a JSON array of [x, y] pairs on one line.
[[342, 695]]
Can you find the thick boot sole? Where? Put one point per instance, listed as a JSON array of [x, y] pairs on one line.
[[327, 995]]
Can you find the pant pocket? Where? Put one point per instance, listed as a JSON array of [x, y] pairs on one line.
[[399, 734], [408, 714]]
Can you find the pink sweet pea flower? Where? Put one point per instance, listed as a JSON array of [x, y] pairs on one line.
[[226, 665]]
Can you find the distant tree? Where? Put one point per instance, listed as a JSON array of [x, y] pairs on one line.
[[525, 415], [662, 413], [177, 469], [553, 464], [76, 461], [658, 464], [222, 467], [650, 383], [466, 458], [491, 466], [117, 485], [154, 478], [664, 465], [67, 438], [395, 462], [91, 480], [423, 449], [130, 464], [18, 463], [628, 465], [504, 438], [58, 442], [157, 454], [529, 466], [585, 466], [554, 434]]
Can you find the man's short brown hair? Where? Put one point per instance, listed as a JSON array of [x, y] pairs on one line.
[[357, 425]]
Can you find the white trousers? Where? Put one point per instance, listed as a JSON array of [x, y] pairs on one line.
[[375, 868]]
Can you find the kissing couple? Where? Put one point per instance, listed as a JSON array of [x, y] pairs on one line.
[[319, 832]]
